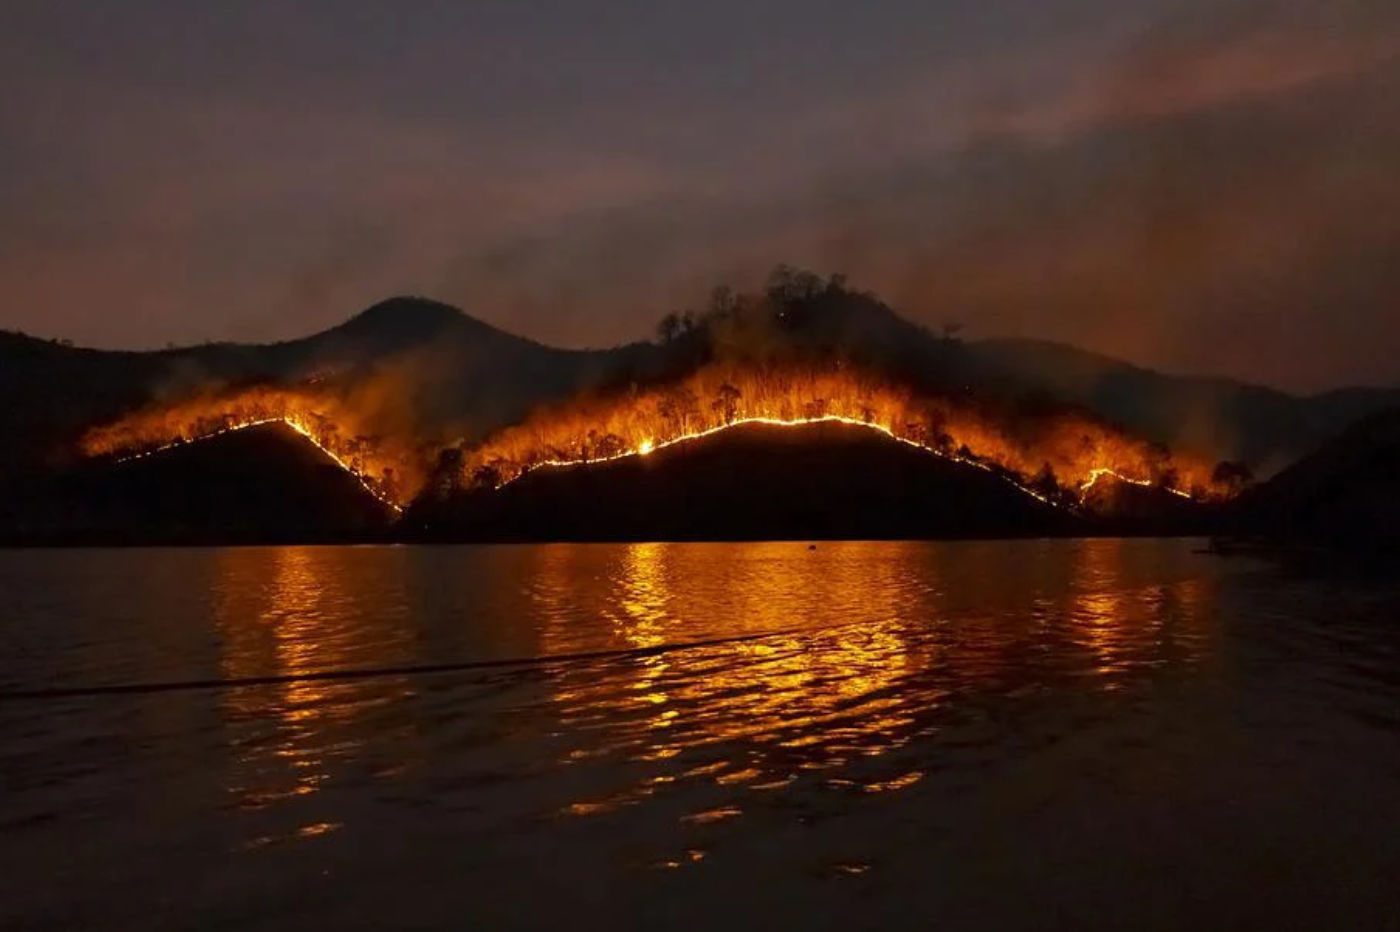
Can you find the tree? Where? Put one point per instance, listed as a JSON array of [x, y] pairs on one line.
[[669, 328], [789, 285], [727, 402], [722, 302], [486, 477], [1232, 475], [611, 445], [447, 472], [685, 407]]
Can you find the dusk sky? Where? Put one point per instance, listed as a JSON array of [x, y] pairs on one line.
[[1206, 186]]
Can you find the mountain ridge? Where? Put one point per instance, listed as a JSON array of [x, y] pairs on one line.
[[470, 377]]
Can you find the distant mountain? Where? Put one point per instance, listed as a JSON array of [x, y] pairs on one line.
[[1346, 493], [1227, 419], [446, 367], [429, 368]]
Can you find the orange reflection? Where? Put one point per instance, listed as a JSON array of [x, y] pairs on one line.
[[863, 653], [756, 712], [287, 612], [1126, 621]]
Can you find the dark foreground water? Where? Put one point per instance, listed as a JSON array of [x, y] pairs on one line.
[[1101, 734]]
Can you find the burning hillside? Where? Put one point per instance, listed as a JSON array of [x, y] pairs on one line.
[[389, 469], [806, 351], [1054, 456]]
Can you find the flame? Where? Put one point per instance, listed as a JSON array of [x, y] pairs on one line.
[[386, 470], [1056, 457]]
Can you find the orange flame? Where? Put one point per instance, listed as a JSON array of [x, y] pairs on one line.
[[387, 470], [1057, 457], [1073, 449]]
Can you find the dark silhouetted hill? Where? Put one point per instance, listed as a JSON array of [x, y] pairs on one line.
[[454, 376], [752, 481], [1346, 494], [261, 485], [1226, 419]]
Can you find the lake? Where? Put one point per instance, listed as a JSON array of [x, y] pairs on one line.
[[1049, 734]]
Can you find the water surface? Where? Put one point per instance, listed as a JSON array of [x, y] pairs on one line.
[[1058, 734]]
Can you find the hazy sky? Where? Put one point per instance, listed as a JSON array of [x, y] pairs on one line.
[[1202, 186]]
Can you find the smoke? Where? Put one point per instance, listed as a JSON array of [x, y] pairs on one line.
[[1204, 190], [1218, 199]]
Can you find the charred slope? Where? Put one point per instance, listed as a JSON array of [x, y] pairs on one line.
[[265, 484], [751, 482], [1345, 494]]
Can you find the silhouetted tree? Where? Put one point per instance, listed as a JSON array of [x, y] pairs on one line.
[[609, 446], [788, 285], [669, 328], [723, 302], [1233, 475], [447, 471], [486, 477], [727, 402], [685, 407]]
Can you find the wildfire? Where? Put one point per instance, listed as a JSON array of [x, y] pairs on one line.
[[647, 446], [388, 473], [1096, 474], [1056, 458]]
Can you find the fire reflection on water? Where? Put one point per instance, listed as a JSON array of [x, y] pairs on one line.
[[866, 655], [287, 612], [743, 673]]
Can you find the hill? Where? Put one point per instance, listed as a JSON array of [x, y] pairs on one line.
[[752, 481], [265, 484], [1230, 420], [440, 367], [430, 369], [1345, 494]]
